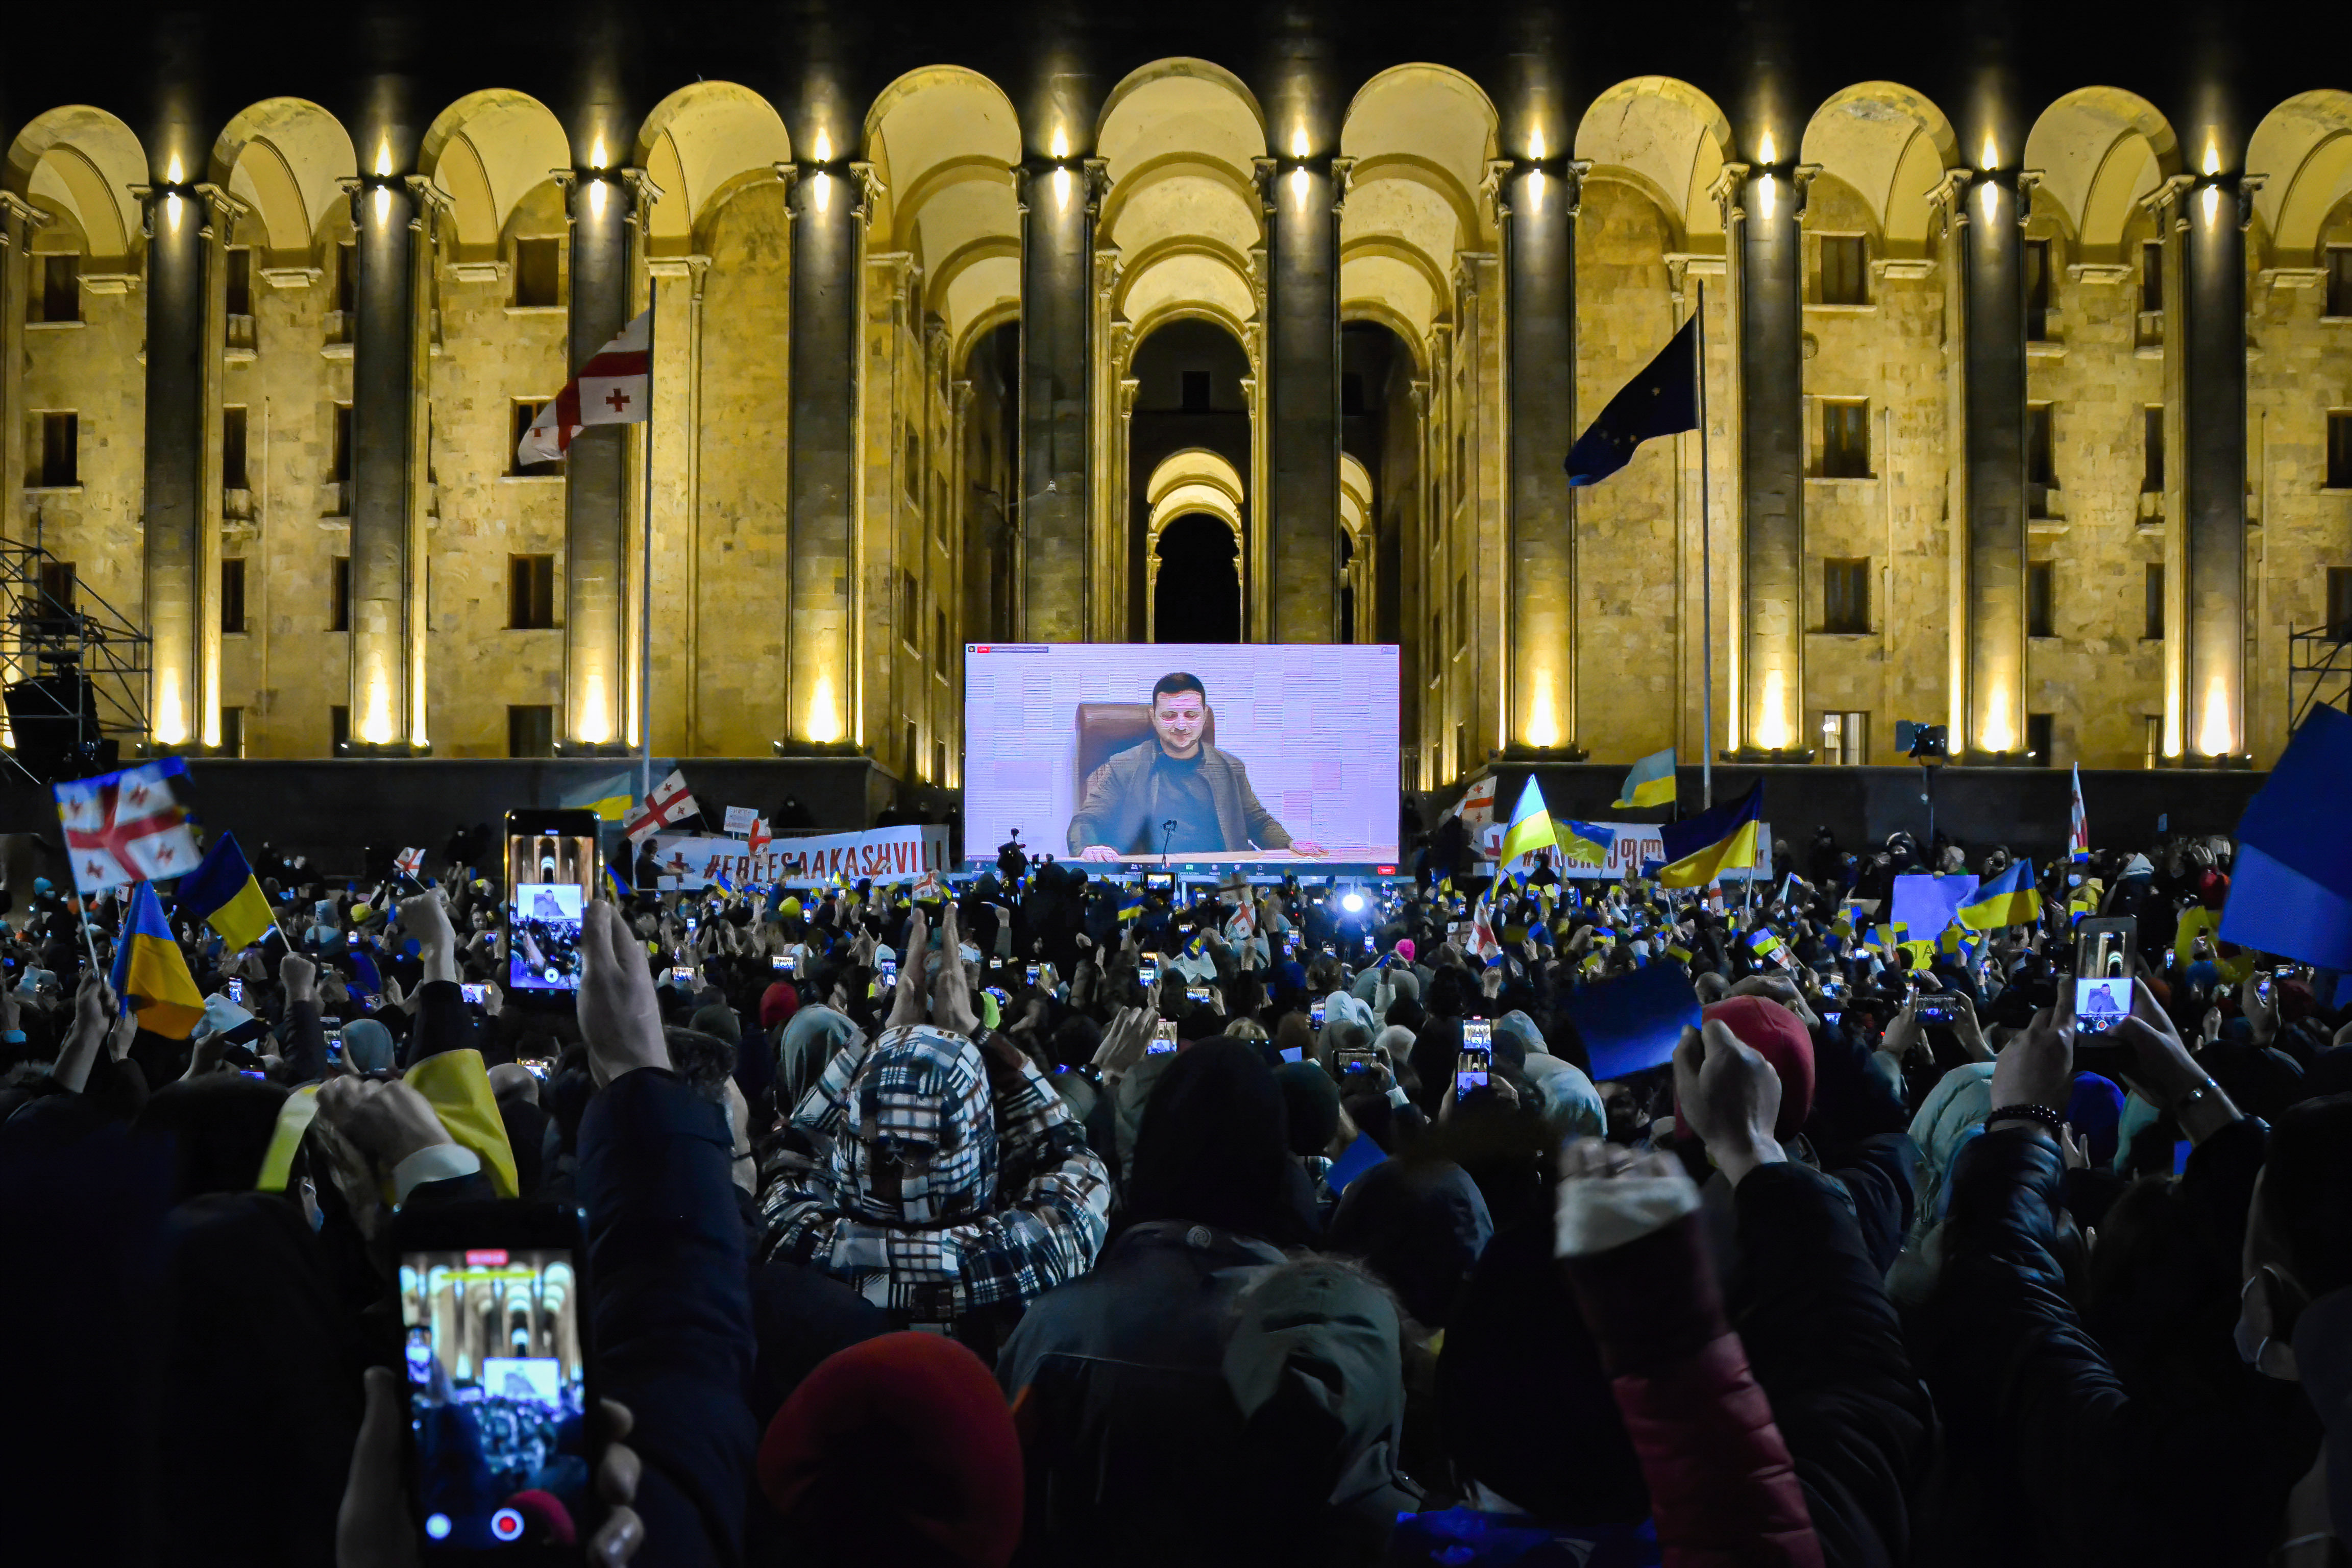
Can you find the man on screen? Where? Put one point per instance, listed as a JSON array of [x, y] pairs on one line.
[[1176, 778]]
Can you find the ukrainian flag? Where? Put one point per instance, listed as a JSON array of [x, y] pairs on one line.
[[1587, 842], [1130, 904], [614, 885], [1652, 782], [2009, 900], [148, 965], [223, 893], [1699, 850], [1531, 827]]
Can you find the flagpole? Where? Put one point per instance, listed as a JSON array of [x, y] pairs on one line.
[[645, 566], [1705, 579]]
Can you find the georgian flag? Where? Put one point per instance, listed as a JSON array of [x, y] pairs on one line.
[[127, 827], [760, 838], [668, 803], [614, 387]]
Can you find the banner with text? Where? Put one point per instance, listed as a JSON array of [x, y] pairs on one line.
[[882, 854], [1638, 842]]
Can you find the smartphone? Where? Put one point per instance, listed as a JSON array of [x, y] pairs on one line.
[[1198, 994], [2262, 989], [1163, 1039], [1832, 1018], [334, 1044], [538, 1066], [552, 873], [2103, 973], [885, 973], [1147, 970], [1935, 1007], [1033, 970], [1315, 1013], [691, 923], [239, 1056], [1477, 1058], [1357, 1061], [1331, 952], [475, 994], [235, 991], [780, 963], [491, 1415], [682, 975]]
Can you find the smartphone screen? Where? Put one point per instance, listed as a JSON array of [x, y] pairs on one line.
[[1163, 1039], [780, 963], [334, 1044], [682, 973], [496, 1394], [1832, 1018], [1357, 1061], [2103, 973], [2262, 989], [538, 1066], [1933, 1007], [475, 994], [1032, 975], [1147, 970], [235, 991], [885, 973], [1477, 1057], [551, 877], [1315, 1013]]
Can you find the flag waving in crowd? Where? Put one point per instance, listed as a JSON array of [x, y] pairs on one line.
[[614, 387], [127, 827], [670, 803], [224, 893], [150, 973]]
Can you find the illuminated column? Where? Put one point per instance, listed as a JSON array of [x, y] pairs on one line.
[[18, 219], [1987, 218], [598, 653], [177, 453], [1762, 206], [1539, 214], [385, 411], [2210, 218], [1067, 593], [828, 203], [1302, 194]]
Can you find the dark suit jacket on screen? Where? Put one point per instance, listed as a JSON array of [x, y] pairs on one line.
[[1122, 805]]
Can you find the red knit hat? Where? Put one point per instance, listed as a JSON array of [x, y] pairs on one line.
[[903, 1448], [778, 1002], [1778, 1035]]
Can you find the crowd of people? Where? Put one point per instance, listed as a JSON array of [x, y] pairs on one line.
[[1041, 1219]]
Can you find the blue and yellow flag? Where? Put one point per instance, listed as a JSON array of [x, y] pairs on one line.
[[223, 893], [612, 883], [1130, 904], [1699, 850], [1587, 842], [1531, 828], [148, 965], [1652, 782], [2009, 900]]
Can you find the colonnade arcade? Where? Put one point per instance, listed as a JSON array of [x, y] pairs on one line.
[[2021, 425]]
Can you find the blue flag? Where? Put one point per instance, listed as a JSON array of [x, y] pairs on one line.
[[2291, 887], [1661, 401], [1632, 1023]]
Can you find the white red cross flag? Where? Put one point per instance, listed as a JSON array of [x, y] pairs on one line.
[[411, 862], [760, 837], [668, 803], [1477, 806], [614, 387], [127, 827]]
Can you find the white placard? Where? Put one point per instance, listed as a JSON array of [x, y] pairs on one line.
[[740, 818]]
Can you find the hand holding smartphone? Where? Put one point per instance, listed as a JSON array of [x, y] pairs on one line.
[[1163, 1039], [1476, 1061]]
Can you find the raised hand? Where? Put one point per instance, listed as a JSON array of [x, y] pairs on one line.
[[619, 1019], [1731, 1097]]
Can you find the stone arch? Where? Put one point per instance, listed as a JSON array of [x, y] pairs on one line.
[[81, 162], [944, 142], [1892, 146], [1668, 139], [701, 146], [487, 151], [1194, 480], [1422, 136], [284, 158], [1179, 140], [2099, 152], [2304, 147]]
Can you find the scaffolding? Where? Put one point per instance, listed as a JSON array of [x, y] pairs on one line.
[[2318, 671], [76, 669]]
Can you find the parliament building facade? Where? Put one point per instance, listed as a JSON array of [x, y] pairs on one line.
[[2028, 397]]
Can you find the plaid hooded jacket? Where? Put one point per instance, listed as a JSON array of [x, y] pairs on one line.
[[999, 1197]]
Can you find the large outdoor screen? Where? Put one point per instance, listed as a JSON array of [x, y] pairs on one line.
[[1198, 752]]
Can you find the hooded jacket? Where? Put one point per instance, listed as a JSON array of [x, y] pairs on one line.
[[947, 1188]]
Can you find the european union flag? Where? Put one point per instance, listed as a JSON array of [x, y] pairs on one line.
[[1661, 401]]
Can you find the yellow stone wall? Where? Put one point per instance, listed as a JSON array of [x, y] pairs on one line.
[[92, 368]]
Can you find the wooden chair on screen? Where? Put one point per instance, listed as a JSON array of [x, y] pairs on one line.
[[1107, 728]]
